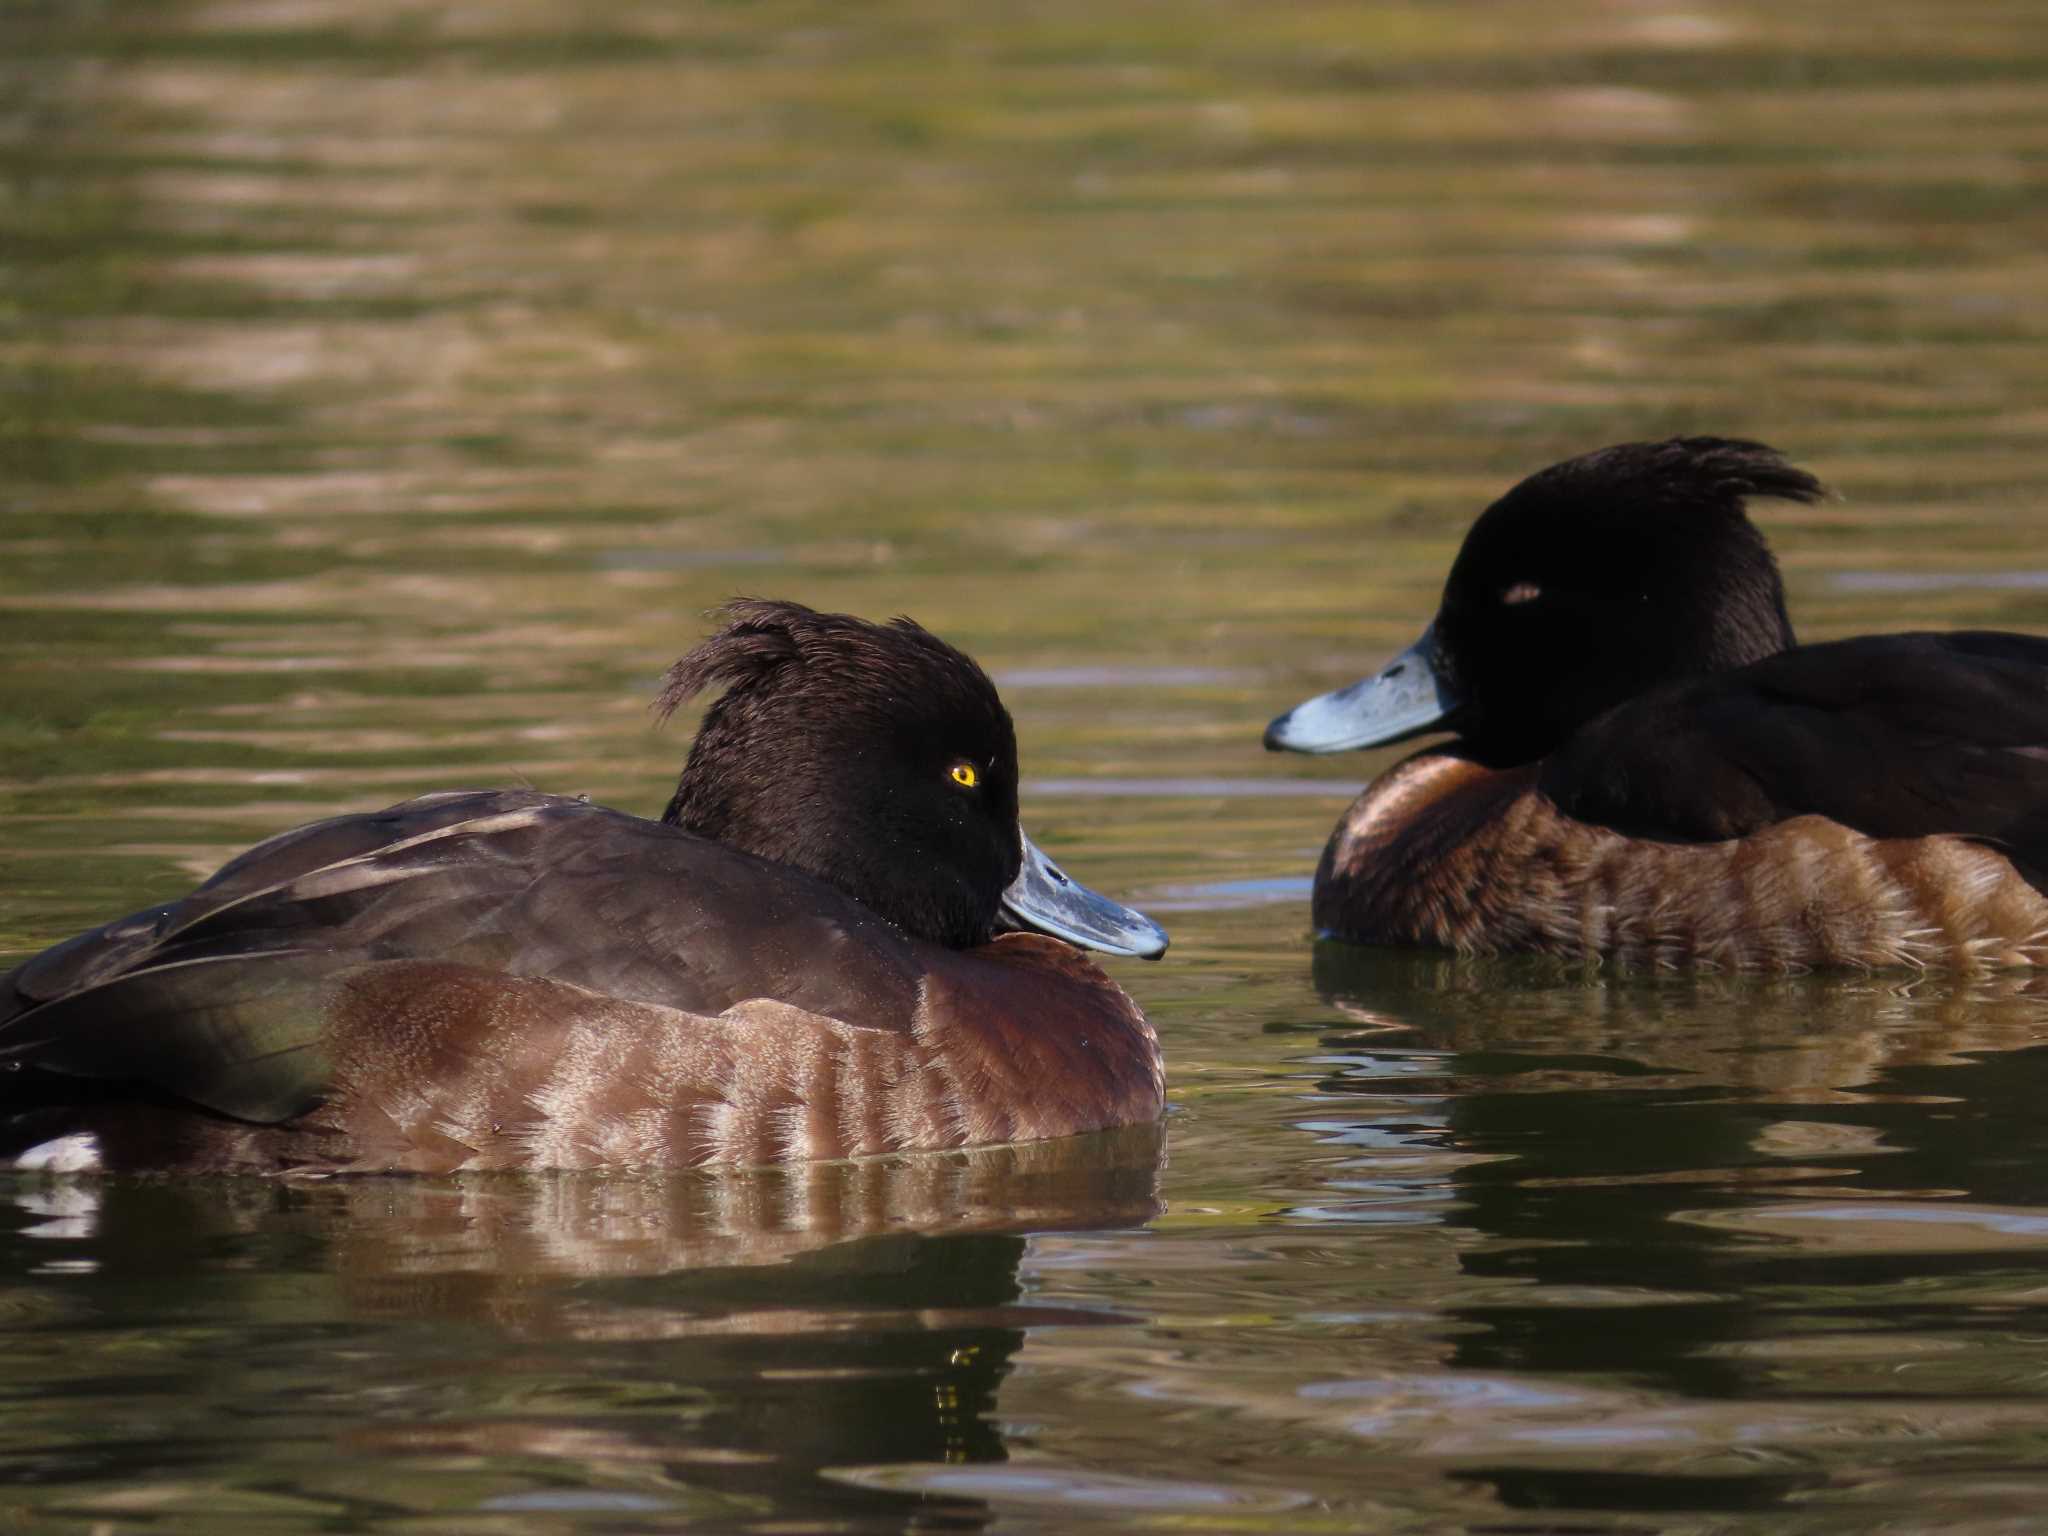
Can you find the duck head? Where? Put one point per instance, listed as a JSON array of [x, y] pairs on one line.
[[881, 760], [1587, 584]]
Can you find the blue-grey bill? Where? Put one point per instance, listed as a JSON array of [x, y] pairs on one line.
[[1045, 900], [1404, 698]]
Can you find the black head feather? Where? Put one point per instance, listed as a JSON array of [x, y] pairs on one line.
[[1609, 574], [839, 746]]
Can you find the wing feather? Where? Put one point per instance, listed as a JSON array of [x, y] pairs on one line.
[[226, 998], [1893, 735]]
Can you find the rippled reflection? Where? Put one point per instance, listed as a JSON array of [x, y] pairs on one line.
[[1725, 1211], [389, 389], [690, 1344]]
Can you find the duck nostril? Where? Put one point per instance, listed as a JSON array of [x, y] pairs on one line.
[[1057, 877], [1396, 669]]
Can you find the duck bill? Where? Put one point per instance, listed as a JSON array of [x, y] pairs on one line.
[[1045, 900], [1406, 697]]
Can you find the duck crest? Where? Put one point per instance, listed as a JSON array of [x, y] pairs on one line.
[[832, 750]]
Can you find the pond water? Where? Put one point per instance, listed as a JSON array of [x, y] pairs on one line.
[[391, 387]]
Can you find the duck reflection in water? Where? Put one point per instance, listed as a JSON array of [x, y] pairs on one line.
[[836, 942], [736, 1336], [1644, 1182]]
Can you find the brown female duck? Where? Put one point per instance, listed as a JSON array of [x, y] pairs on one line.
[[807, 957], [1647, 765]]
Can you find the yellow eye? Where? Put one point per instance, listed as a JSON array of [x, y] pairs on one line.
[[965, 776]]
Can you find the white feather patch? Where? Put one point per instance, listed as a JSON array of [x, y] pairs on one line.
[[77, 1153]]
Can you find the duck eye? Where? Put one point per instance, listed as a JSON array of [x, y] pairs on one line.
[[965, 776], [1521, 592]]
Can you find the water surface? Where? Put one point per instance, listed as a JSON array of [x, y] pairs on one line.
[[390, 388]]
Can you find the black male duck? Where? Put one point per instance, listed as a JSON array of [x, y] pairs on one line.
[[807, 957], [1646, 765]]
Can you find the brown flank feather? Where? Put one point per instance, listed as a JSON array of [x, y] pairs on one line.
[[1443, 851], [450, 1068]]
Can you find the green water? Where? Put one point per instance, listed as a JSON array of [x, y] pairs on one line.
[[387, 390]]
